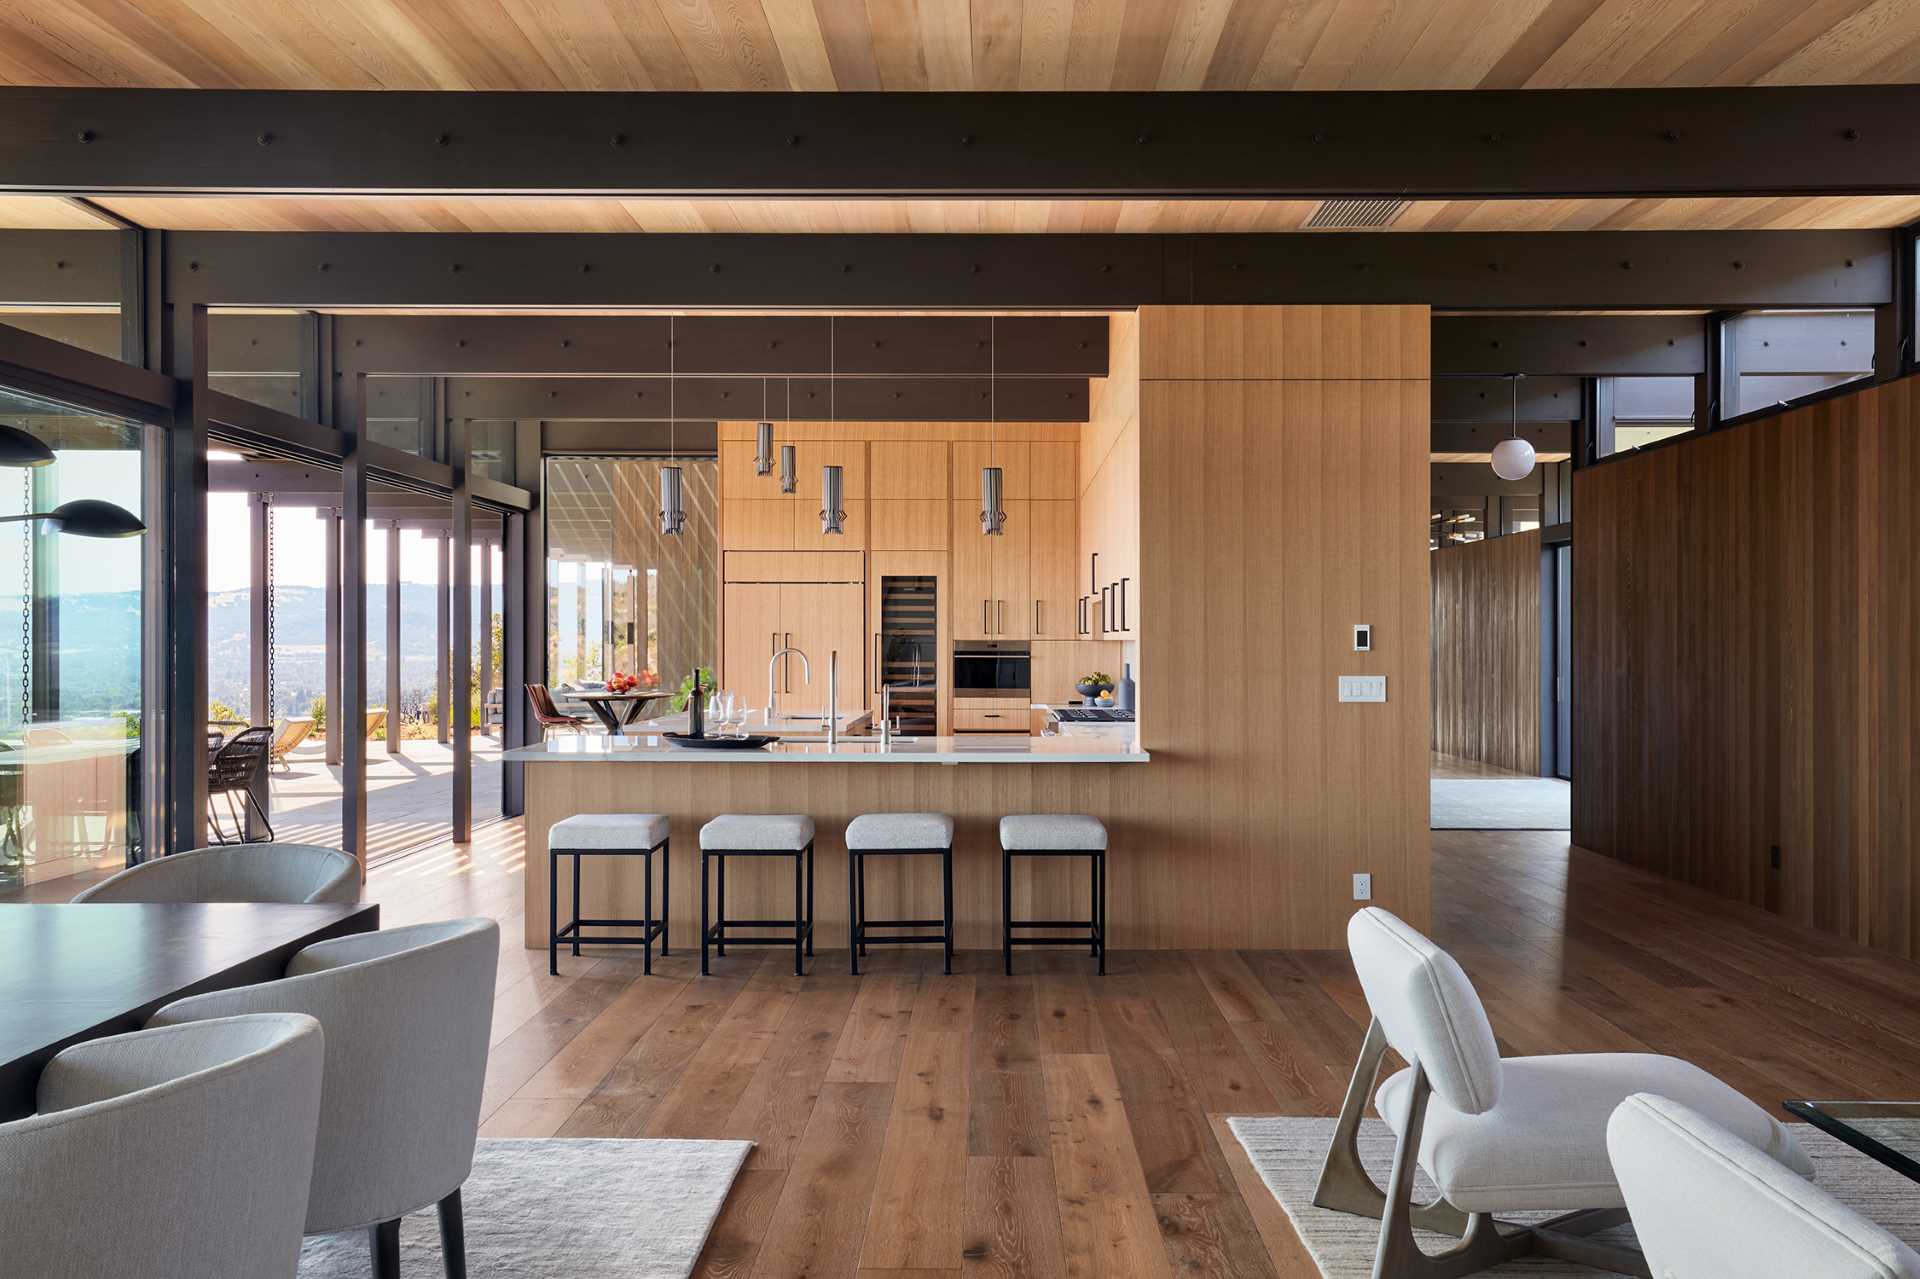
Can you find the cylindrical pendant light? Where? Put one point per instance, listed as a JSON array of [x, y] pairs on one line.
[[673, 515], [833, 513], [789, 469], [763, 453], [993, 510], [1513, 458]]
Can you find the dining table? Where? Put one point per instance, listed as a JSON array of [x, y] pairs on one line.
[[76, 971], [618, 710]]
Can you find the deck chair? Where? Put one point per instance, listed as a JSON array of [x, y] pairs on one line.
[[291, 733]]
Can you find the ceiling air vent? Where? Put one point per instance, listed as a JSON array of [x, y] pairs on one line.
[[1355, 215]]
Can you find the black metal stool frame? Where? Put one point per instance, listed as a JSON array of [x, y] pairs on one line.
[[1096, 939], [651, 928], [713, 932], [858, 940]]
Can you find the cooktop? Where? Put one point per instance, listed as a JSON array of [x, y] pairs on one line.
[[1092, 715]]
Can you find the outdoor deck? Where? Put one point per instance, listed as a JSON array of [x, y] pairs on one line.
[[409, 795]]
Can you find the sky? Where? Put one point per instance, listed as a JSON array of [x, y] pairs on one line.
[[299, 548]]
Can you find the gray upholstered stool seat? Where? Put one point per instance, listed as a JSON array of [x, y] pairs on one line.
[[897, 835], [608, 830], [1054, 835], [755, 835], [757, 832], [890, 831], [609, 835], [1052, 832]]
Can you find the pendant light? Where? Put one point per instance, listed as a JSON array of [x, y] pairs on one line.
[[763, 454], [673, 515], [789, 458], [18, 448], [993, 510], [85, 517], [1513, 458], [832, 478]]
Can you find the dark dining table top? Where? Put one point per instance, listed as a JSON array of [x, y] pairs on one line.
[[70, 972]]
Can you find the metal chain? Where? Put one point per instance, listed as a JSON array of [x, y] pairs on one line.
[[273, 621], [26, 605]]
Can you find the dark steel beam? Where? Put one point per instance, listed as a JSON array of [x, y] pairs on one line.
[[798, 399], [1478, 144], [349, 717], [461, 591], [1480, 437], [259, 652], [54, 268], [184, 588], [393, 637], [46, 366], [1576, 345], [330, 524], [1491, 399]]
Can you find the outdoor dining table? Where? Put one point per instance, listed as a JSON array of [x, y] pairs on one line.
[[617, 710], [70, 972]]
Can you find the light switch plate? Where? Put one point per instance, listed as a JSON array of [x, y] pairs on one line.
[[1363, 688], [1363, 637]]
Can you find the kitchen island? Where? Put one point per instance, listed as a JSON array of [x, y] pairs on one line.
[[975, 781]]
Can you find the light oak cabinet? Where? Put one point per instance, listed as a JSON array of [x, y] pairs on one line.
[[907, 469], [992, 592], [912, 524], [1107, 576], [1031, 470], [1051, 577], [814, 617]]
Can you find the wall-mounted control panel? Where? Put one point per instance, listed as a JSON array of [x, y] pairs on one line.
[[1363, 688], [1363, 637]]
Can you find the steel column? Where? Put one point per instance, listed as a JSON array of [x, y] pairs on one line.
[[393, 635], [460, 545], [43, 554], [259, 655], [442, 626], [184, 728], [330, 523], [486, 626], [349, 714]]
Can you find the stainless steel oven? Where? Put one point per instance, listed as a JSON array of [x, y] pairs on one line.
[[992, 668]]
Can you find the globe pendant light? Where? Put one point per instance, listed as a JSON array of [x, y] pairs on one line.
[[832, 479], [673, 515], [763, 452], [1513, 458], [993, 510]]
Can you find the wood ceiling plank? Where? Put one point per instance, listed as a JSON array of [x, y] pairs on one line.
[[1145, 30], [590, 52], [849, 39], [996, 44], [803, 49], [1046, 27], [1843, 51], [727, 43], [947, 37], [652, 43], [1553, 25], [417, 44], [1342, 45], [1191, 46], [1613, 42], [1094, 45], [1244, 38], [1294, 40], [45, 213], [898, 50]]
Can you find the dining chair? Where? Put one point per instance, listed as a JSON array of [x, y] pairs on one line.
[[1705, 1203], [407, 1015], [546, 714], [289, 874], [175, 1153], [232, 771]]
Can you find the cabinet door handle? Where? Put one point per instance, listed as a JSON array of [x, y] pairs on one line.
[[876, 661], [1123, 603], [786, 666], [1093, 572], [986, 626], [1000, 618], [1037, 628]]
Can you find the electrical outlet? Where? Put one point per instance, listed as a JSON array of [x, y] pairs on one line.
[[1363, 887], [1363, 688]]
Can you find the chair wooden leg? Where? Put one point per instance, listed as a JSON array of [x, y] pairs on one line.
[[453, 1237], [384, 1242]]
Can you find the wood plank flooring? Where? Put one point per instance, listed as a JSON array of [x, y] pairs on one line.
[[1056, 1123]]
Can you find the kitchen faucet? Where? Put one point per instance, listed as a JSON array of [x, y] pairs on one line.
[[833, 698], [773, 685]]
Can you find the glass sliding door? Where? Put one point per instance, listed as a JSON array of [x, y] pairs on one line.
[[72, 608]]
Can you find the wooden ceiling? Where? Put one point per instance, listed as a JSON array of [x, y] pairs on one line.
[[956, 44], [504, 213]]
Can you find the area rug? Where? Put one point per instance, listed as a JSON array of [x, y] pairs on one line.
[[564, 1209], [1287, 1153], [1502, 803]]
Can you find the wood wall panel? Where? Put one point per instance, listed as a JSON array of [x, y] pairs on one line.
[[1486, 651], [1277, 512], [1745, 662]]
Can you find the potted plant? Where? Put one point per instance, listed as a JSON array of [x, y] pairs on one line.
[[685, 694], [1092, 685]]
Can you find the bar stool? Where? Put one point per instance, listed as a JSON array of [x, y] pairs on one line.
[[607, 835], [1054, 835], [744, 835], [897, 835]]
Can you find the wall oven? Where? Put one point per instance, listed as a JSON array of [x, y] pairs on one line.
[[992, 668]]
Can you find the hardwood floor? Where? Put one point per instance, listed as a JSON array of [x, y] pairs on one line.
[[1056, 1123]]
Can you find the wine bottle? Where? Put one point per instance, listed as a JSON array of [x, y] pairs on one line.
[[696, 708]]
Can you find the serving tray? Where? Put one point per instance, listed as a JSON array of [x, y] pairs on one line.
[[749, 743]]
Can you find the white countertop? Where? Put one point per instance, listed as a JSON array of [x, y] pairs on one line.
[[650, 749]]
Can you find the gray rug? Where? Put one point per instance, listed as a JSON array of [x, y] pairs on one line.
[[565, 1209], [1287, 1153], [1502, 803]]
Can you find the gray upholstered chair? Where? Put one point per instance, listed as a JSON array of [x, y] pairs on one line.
[[407, 1014], [166, 1154], [1519, 1135], [1705, 1203], [285, 873]]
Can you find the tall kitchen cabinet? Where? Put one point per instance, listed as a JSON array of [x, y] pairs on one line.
[[815, 617], [1019, 585]]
